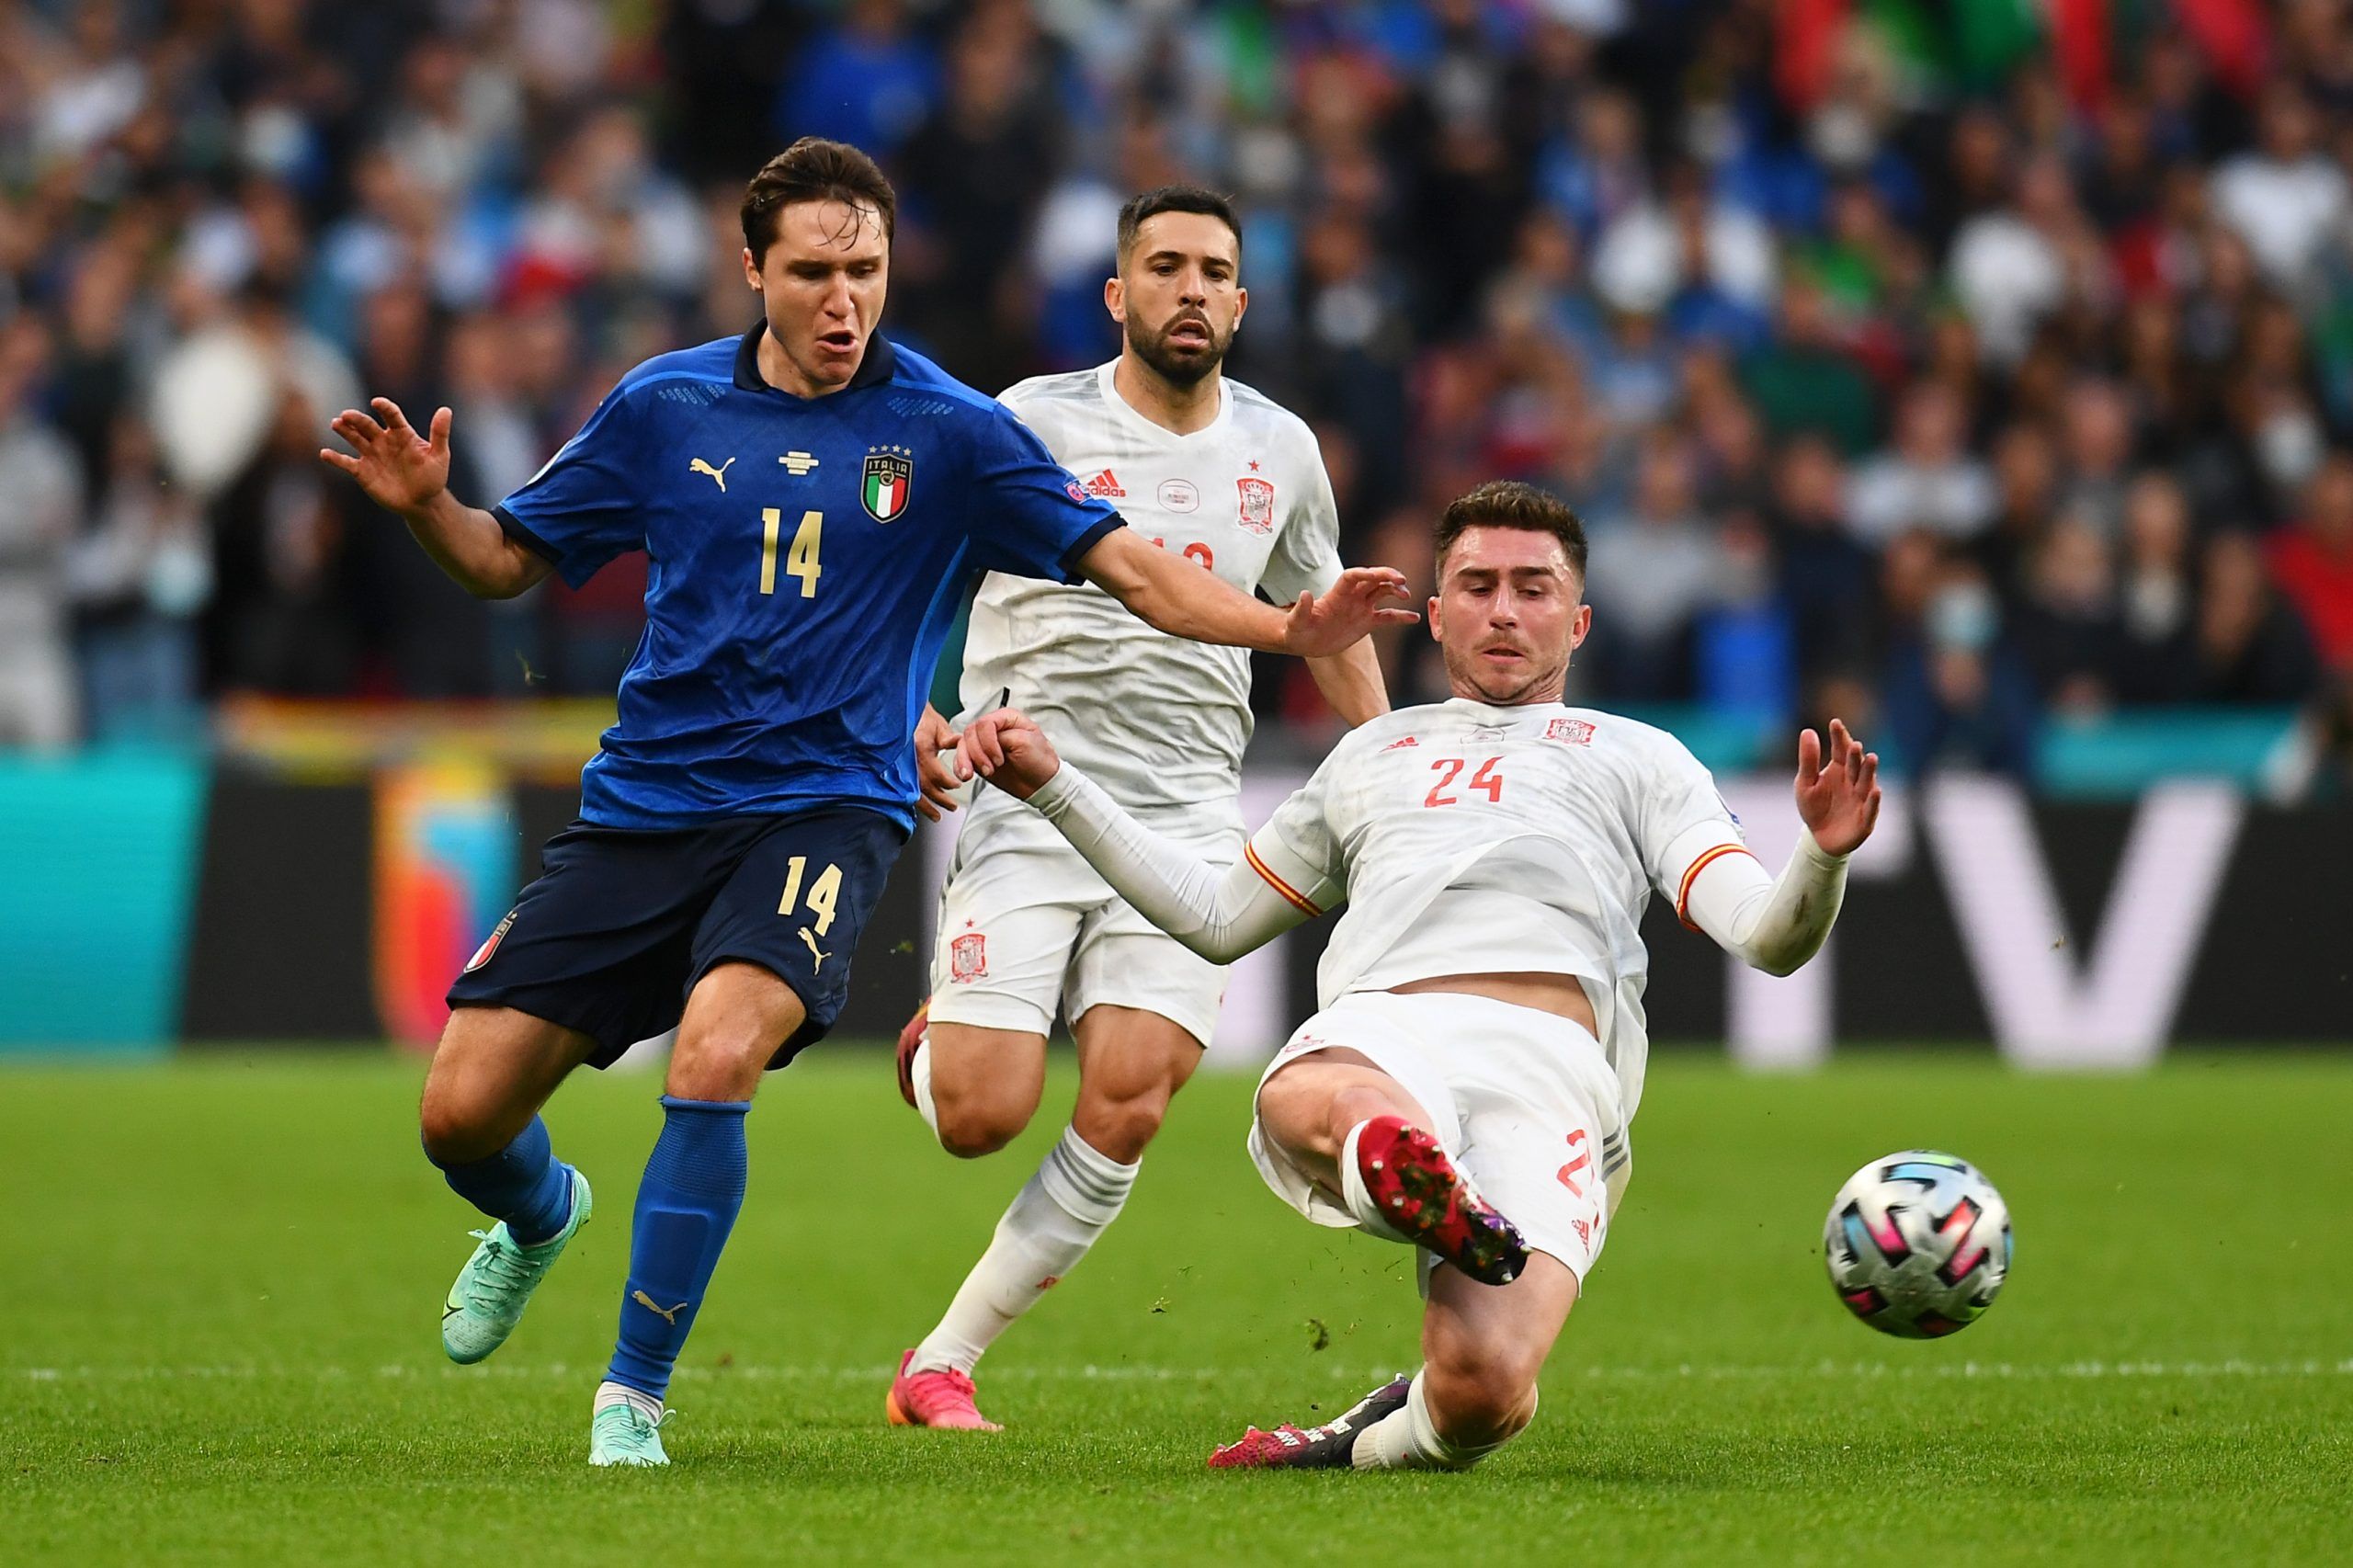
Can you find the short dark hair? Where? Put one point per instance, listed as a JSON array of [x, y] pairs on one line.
[[813, 169], [1174, 199], [1508, 504]]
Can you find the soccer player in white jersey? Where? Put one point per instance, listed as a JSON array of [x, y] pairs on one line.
[[1206, 468], [1467, 1084]]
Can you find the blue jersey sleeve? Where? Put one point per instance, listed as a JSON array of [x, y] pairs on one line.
[[588, 505], [1026, 514]]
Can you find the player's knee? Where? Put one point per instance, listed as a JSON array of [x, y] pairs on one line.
[[980, 1117], [455, 1128], [1122, 1125], [1481, 1394]]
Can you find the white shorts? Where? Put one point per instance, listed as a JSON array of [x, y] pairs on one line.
[[1524, 1102], [1026, 924]]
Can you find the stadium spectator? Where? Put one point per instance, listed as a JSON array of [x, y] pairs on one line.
[[40, 512], [1927, 478], [2314, 560]]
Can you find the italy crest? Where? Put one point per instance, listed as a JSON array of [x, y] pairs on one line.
[[888, 480]]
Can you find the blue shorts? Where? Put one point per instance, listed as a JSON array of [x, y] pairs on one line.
[[622, 922]]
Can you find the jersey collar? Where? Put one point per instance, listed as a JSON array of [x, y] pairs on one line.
[[1127, 414], [881, 361]]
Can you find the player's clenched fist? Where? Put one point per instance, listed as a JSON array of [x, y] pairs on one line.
[[1008, 750], [1838, 797]]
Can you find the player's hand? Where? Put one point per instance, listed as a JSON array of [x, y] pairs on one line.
[[1008, 750], [1837, 798], [400, 470], [934, 771], [1364, 598]]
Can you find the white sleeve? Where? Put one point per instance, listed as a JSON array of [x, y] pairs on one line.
[[1674, 797], [1774, 924], [1306, 558], [1219, 915]]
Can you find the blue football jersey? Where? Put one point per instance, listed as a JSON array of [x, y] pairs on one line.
[[806, 557]]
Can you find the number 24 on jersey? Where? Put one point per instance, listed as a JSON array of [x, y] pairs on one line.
[[1487, 780]]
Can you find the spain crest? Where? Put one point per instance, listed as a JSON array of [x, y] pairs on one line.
[[1257, 505], [888, 480], [1570, 732]]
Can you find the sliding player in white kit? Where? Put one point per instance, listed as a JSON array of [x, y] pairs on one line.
[[1468, 1083], [1207, 468]]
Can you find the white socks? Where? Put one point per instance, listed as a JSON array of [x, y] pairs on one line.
[[610, 1393], [1409, 1439], [1054, 1219], [919, 1074]]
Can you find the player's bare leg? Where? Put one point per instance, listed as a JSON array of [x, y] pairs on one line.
[[1358, 1133], [976, 1087], [479, 1120], [1130, 1064], [737, 1017], [1483, 1346]]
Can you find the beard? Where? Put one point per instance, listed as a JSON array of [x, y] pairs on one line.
[[1505, 689], [1178, 367]]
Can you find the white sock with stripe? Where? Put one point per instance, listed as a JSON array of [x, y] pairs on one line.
[[1409, 1439], [1053, 1220]]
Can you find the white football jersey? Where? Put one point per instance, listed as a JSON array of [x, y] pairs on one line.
[[1160, 721], [1474, 839]]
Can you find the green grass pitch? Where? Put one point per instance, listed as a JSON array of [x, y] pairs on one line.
[[225, 1279]]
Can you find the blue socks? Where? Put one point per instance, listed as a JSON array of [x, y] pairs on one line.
[[523, 1184], [685, 1206]]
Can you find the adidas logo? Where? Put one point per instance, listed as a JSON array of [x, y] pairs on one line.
[[1400, 744], [1105, 486]]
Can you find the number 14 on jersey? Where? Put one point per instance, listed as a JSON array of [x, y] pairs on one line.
[[800, 559]]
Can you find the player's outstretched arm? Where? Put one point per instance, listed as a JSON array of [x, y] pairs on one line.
[[1777, 923], [408, 474], [1220, 914], [1178, 597]]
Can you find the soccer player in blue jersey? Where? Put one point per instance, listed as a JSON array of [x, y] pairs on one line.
[[814, 503]]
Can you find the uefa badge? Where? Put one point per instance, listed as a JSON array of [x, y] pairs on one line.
[[1257, 505], [887, 482]]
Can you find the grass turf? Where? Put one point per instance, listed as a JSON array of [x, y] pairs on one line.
[[226, 1276]]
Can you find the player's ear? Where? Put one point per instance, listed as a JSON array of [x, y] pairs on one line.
[[1241, 305], [1581, 627], [1115, 299], [751, 270], [1438, 627]]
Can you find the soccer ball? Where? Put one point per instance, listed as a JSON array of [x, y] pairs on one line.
[[1918, 1244]]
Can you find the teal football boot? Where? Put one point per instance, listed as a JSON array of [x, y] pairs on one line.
[[496, 1284], [622, 1435]]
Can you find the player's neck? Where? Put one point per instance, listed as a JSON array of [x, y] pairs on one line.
[[777, 370], [1532, 698], [1177, 410]]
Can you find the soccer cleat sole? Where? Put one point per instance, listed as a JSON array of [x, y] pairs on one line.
[[1425, 1200]]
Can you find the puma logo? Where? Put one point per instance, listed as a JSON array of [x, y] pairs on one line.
[[667, 1314], [717, 475], [820, 957]]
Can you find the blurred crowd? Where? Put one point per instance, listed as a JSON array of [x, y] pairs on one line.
[[1951, 366]]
